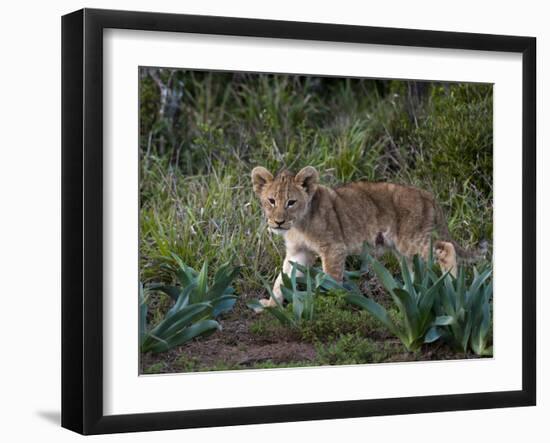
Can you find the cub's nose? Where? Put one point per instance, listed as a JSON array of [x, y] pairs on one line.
[[279, 222]]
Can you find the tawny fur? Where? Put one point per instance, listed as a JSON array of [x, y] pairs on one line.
[[318, 221]]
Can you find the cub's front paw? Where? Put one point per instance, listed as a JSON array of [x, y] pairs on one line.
[[266, 303]]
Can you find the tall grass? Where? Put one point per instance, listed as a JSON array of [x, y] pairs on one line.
[[197, 153]]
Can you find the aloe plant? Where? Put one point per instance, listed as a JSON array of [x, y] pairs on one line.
[[324, 282], [299, 292], [469, 306], [196, 304], [414, 299], [182, 323], [195, 284]]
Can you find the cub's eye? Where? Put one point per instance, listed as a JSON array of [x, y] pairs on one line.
[[290, 203], [272, 201]]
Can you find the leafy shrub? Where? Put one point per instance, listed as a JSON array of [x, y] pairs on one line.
[[325, 282], [182, 323], [414, 299], [197, 289], [350, 349], [469, 307], [196, 304], [301, 300], [300, 293]]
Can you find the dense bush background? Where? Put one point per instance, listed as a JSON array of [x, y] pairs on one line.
[[201, 133]]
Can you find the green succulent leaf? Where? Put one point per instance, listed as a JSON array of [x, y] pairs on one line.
[[288, 294], [172, 291], [433, 334], [222, 280], [383, 275], [182, 301], [376, 310], [182, 318], [443, 320], [184, 335], [223, 304], [202, 283], [286, 280], [297, 306], [410, 312]]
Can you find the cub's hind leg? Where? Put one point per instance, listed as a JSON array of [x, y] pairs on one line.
[[444, 252]]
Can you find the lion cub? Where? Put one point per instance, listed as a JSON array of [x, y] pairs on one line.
[[317, 221]]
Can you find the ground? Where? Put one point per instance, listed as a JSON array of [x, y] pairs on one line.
[[340, 334]]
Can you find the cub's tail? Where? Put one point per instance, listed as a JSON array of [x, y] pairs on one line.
[[465, 255]]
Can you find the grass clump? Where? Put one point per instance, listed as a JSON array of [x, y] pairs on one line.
[[335, 317], [155, 368], [350, 349]]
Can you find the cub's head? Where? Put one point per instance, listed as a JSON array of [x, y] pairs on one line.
[[285, 198]]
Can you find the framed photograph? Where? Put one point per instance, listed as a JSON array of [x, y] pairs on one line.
[[269, 221]]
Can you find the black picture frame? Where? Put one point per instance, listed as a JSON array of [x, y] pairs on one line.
[[82, 218]]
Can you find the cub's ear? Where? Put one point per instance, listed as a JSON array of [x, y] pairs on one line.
[[260, 177], [307, 178]]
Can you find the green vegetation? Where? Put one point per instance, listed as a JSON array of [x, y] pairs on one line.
[[196, 289], [182, 323], [414, 298], [301, 302], [202, 133], [428, 305], [196, 304], [301, 292], [469, 308], [334, 317], [433, 305]]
